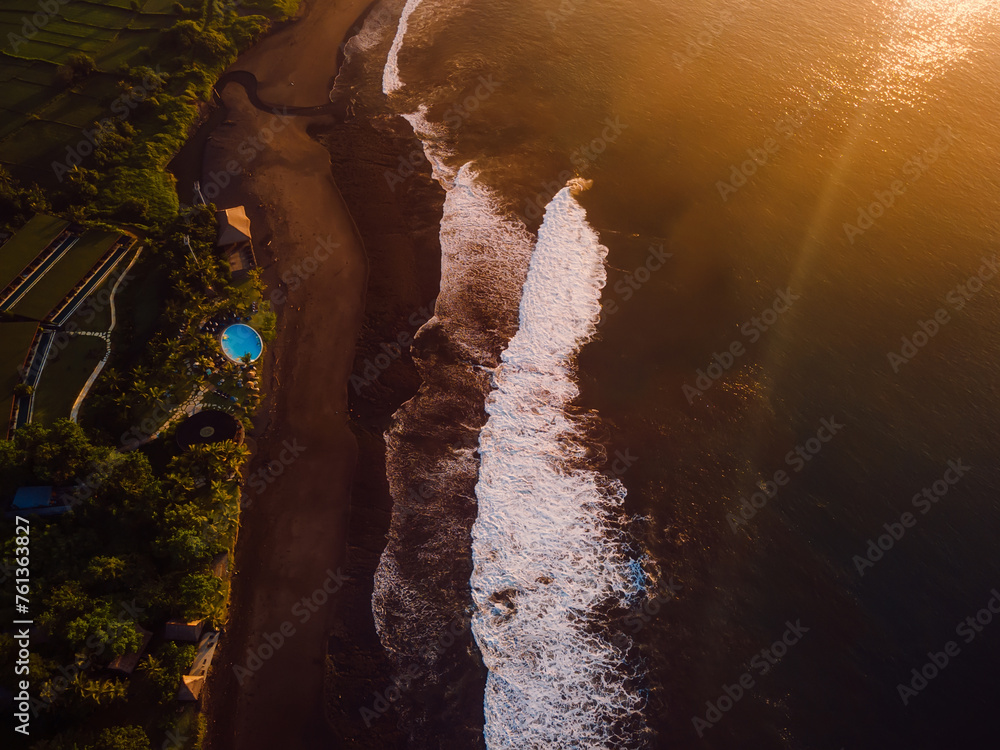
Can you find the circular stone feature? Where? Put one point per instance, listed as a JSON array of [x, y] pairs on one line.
[[209, 426]]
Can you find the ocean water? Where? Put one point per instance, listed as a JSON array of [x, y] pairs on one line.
[[668, 421]]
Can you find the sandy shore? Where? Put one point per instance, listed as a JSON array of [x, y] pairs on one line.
[[267, 682]]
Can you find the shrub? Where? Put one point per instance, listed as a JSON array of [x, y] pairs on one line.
[[79, 65]]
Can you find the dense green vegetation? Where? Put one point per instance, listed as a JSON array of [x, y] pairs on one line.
[[159, 359], [149, 521], [136, 550], [99, 98], [96, 101]]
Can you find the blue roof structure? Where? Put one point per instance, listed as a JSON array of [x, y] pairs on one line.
[[39, 501], [28, 498]]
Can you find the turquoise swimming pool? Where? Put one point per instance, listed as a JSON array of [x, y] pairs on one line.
[[239, 340]]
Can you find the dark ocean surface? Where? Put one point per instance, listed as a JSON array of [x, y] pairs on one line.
[[761, 341]]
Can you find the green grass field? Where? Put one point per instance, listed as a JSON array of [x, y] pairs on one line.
[[95, 313], [27, 243], [66, 274], [40, 116], [64, 377], [76, 110], [15, 341], [137, 306]]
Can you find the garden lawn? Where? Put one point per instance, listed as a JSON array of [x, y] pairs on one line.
[[65, 375]]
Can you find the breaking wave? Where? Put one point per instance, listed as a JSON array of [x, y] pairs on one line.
[[547, 551], [390, 77]]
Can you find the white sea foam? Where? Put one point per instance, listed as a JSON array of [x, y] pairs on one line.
[[369, 35], [484, 260], [390, 76], [546, 552], [432, 137]]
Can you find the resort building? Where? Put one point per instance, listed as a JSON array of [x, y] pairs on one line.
[[186, 632], [126, 663], [235, 240], [194, 681]]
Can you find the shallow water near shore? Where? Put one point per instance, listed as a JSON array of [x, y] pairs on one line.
[[798, 335]]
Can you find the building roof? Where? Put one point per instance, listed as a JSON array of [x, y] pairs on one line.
[[39, 501], [191, 687], [206, 652], [193, 682], [27, 498], [126, 663], [234, 226], [178, 630]]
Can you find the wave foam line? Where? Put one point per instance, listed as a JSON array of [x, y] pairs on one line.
[[390, 75], [421, 581], [547, 555], [432, 137]]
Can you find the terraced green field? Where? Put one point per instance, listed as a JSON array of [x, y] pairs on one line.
[[65, 275], [39, 117], [24, 246]]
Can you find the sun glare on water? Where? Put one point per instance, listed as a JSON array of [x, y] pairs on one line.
[[925, 39]]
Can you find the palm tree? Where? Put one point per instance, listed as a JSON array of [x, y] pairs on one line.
[[153, 668], [229, 455], [182, 481], [113, 379], [153, 395]]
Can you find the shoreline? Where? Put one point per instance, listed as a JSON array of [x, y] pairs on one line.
[[270, 671]]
